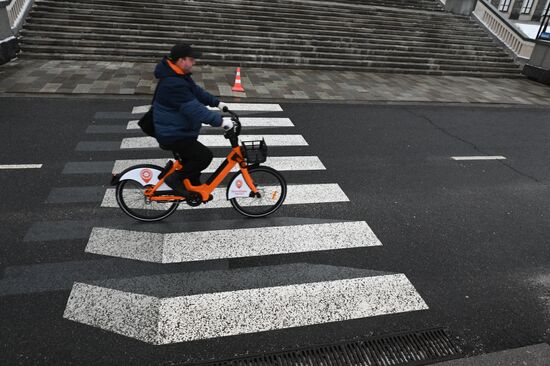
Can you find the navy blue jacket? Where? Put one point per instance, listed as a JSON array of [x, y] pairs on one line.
[[179, 108]]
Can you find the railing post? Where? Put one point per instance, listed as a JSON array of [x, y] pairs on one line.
[[8, 43]]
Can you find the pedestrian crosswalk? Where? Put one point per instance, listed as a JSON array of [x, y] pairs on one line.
[[188, 306]]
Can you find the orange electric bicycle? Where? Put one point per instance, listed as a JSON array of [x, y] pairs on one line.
[[254, 190]]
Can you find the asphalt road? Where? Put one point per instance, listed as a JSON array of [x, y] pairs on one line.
[[470, 236]]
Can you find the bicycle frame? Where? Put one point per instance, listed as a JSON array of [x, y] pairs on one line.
[[235, 157]]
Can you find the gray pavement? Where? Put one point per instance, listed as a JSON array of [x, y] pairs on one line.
[[537, 355], [128, 78], [470, 236]]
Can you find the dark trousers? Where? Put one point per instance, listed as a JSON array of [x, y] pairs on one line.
[[195, 157]]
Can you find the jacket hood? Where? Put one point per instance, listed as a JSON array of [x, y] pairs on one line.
[[163, 70]]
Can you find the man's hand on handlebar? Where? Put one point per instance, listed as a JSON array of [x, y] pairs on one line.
[[223, 107], [227, 125], [232, 127]]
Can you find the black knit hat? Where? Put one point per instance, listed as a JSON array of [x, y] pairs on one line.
[[182, 50]]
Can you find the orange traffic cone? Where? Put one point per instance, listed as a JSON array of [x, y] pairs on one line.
[[238, 87]]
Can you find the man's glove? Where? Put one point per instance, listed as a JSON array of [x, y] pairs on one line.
[[227, 124], [223, 107]]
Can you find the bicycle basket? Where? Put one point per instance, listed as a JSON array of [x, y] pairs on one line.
[[255, 152]]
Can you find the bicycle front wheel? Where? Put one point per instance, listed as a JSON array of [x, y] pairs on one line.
[[131, 198], [272, 188]]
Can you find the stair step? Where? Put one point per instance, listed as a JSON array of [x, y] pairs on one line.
[[284, 38], [273, 60], [160, 47], [232, 28], [299, 7], [426, 5], [200, 41], [192, 18], [484, 74], [377, 18]]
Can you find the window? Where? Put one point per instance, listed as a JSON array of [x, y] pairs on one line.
[[504, 5], [527, 6]]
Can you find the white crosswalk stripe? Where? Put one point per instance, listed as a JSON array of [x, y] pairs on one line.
[[141, 109], [159, 320], [254, 107], [218, 141], [20, 166], [245, 121], [280, 163], [237, 243], [297, 194], [471, 158]]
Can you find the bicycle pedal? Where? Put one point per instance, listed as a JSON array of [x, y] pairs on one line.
[[194, 199]]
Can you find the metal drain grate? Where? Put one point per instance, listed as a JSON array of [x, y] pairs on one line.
[[415, 348]]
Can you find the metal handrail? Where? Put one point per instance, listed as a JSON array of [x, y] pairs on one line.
[[17, 10], [544, 23]]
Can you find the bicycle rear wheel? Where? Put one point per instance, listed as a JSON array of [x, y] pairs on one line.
[[131, 198], [272, 188]]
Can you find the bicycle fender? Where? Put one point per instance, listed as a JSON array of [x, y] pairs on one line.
[[144, 175], [238, 188]]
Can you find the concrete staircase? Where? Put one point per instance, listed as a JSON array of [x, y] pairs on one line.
[[399, 36]]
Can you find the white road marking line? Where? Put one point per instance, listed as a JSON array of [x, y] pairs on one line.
[[187, 318], [217, 141], [462, 158], [141, 109], [245, 121], [133, 125], [234, 243], [296, 195], [281, 163], [255, 107], [20, 166]]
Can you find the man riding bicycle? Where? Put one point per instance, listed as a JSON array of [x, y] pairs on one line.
[[179, 111]]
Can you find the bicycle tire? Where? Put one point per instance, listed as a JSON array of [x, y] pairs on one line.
[[270, 208], [135, 213]]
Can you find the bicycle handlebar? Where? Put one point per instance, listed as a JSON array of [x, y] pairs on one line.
[[233, 133]]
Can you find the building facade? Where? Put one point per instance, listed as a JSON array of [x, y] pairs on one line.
[[526, 10]]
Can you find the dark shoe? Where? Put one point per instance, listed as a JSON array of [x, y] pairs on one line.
[[173, 181]]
